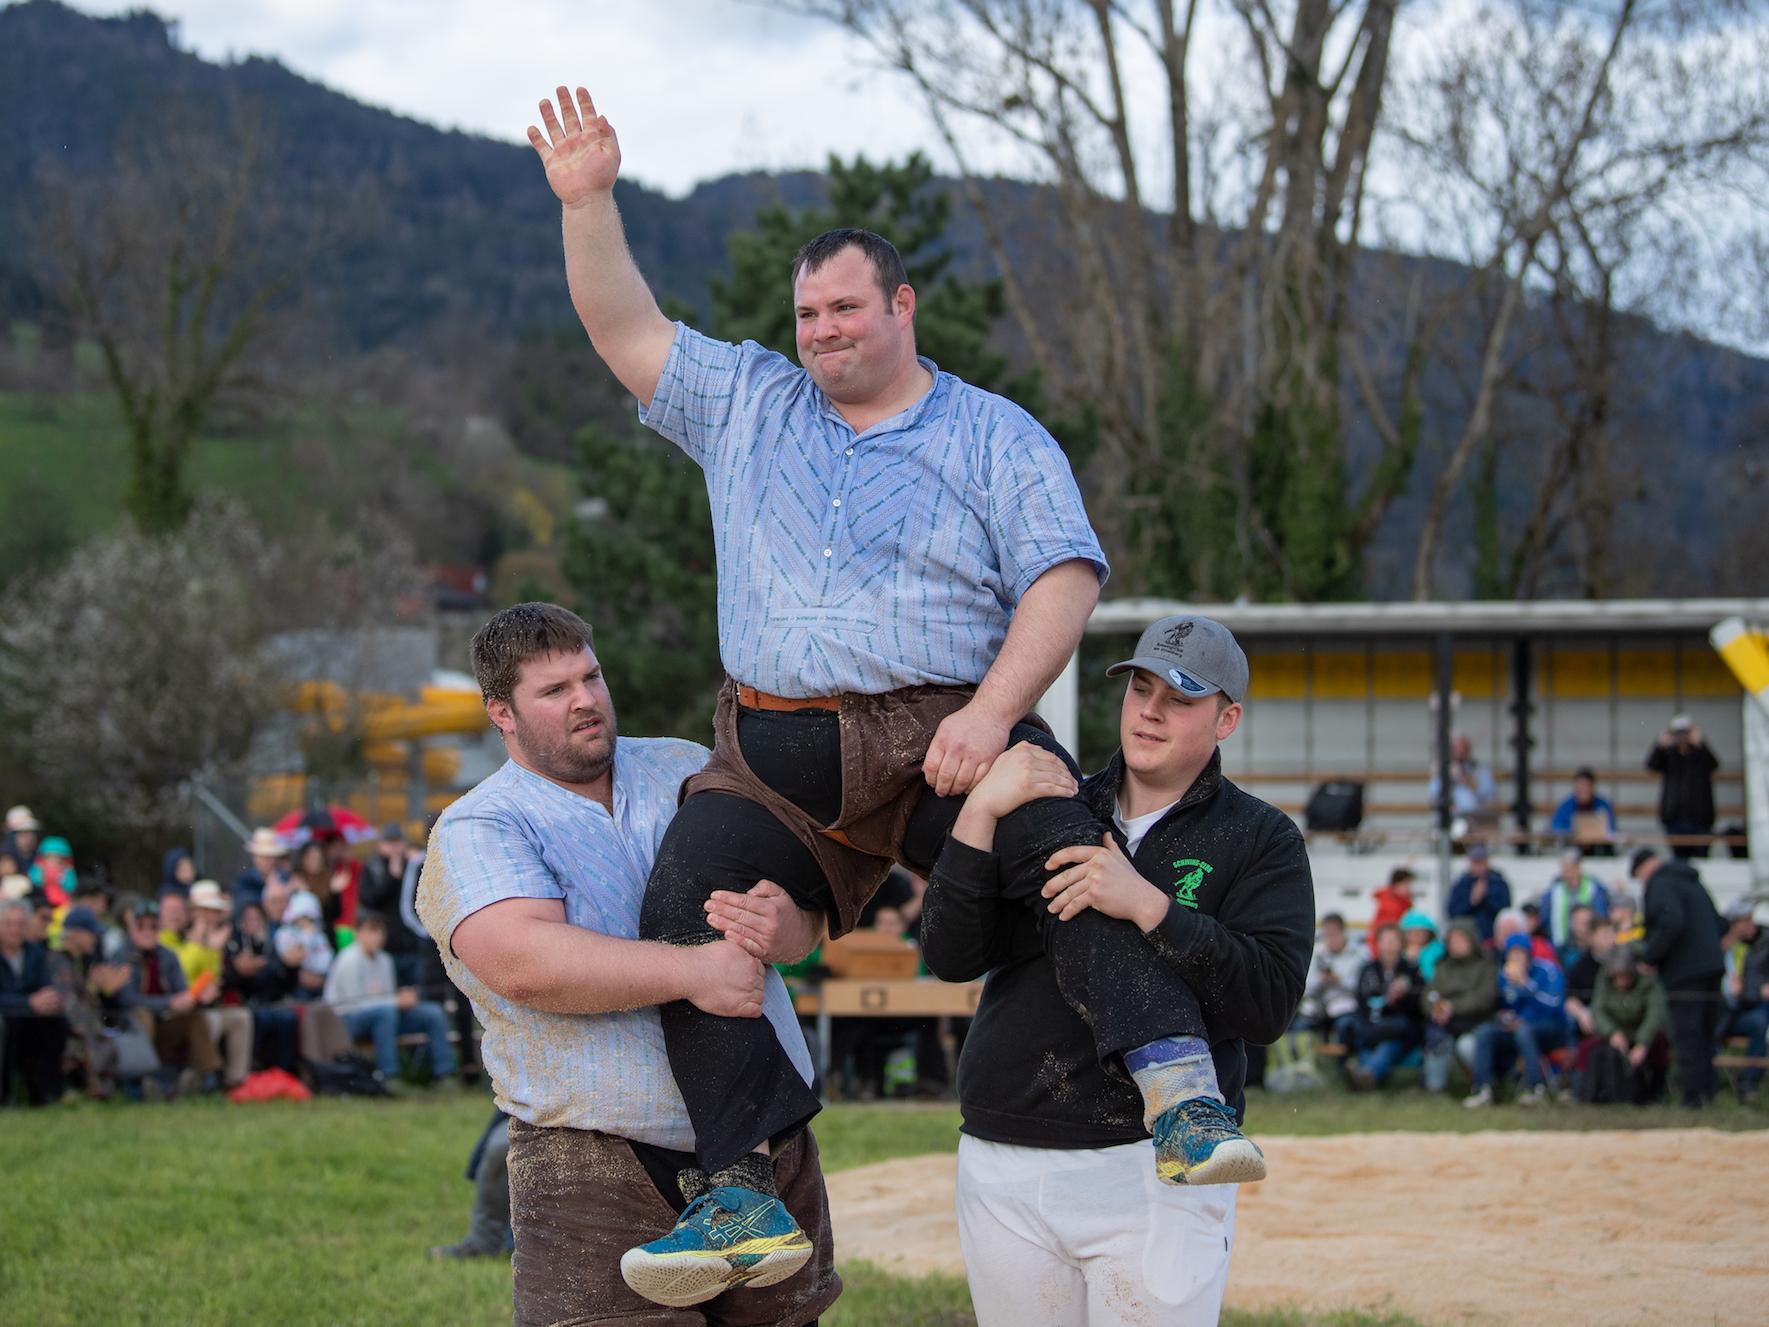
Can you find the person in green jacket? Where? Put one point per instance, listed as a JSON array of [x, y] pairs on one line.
[[1463, 993], [1626, 1060]]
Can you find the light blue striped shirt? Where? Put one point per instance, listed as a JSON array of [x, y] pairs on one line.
[[518, 835], [873, 561]]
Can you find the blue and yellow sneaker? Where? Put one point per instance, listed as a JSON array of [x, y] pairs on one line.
[[1198, 1142], [727, 1237]]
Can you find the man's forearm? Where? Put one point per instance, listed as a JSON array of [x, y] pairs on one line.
[[565, 969], [611, 298], [1045, 630]]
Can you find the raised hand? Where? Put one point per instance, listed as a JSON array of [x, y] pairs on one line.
[[579, 149]]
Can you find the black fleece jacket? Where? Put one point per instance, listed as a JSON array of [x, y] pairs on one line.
[[1240, 931]]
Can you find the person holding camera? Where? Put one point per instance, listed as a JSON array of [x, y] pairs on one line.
[[1686, 791]]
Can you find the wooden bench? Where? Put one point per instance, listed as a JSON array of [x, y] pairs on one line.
[[885, 997]]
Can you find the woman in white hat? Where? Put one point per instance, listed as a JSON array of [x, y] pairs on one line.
[[270, 861]]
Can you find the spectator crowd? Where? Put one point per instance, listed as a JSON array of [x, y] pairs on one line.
[[1578, 993], [312, 963]]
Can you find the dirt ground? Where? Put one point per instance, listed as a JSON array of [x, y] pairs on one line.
[[1652, 1227]]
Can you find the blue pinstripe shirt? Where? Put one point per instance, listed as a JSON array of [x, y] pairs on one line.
[[865, 562], [518, 835]]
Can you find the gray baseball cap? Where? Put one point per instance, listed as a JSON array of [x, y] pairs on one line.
[[1196, 656]]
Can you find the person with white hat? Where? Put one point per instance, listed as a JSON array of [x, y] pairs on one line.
[[230, 1025], [23, 833], [269, 861]]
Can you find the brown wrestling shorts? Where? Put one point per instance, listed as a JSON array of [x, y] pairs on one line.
[[579, 1199]]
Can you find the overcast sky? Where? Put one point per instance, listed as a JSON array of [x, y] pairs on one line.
[[695, 88]]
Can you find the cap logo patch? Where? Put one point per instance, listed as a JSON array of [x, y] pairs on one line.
[[1174, 637], [1190, 685]]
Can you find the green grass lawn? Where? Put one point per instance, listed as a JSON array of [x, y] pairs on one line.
[[201, 1212]]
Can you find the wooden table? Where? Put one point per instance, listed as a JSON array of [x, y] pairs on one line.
[[899, 997]]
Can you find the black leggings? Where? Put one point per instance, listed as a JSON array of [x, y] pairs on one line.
[[739, 1086]]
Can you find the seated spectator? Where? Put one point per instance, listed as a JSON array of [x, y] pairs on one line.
[[1628, 1061], [268, 860], [1531, 1021], [303, 946], [1585, 818], [230, 1023], [40, 923], [1582, 974], [1581, 918], [1387, 1026], [1420, 944], [1625, 913], [1330, 991], [1473, 799], [1573, 887], [253, 978], [1393, 901], [32, 1016], [275, 901], [157, 992], [23, 833], [53, 871], [92, 985], [362, 987], [1479, 894], [1746, 988], [1463, 994], [1524, 921], [178, 873]]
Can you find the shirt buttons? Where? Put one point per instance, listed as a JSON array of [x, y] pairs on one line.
[[850, 451], [829, 552], [838, 502]]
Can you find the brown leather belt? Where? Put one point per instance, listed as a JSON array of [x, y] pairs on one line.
[[751, 699]]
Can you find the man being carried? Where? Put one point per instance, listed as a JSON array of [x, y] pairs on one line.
[[532, 891], [1057, 1221], [904, 567]]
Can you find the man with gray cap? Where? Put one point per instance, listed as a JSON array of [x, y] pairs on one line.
[[1056, 1219], [1686, 794]]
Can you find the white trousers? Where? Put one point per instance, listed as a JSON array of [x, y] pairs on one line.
[[1089, 1238]]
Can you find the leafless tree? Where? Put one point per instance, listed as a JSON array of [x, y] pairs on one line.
[[178, 263]]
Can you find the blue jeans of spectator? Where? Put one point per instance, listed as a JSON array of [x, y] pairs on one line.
[[1752, 1023], [385, 1024], [1495, 1047]]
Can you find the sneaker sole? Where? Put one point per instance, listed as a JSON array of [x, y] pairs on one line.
[[679, 1280], [1238, 1162]]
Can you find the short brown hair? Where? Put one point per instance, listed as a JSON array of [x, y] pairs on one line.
[[518, 634], [887, 263]]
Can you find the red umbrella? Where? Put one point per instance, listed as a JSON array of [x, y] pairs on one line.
[[325, 823]]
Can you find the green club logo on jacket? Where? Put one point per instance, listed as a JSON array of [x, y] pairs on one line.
[[1192, 873]]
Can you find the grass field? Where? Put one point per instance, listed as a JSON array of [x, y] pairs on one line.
[[201, 1212]]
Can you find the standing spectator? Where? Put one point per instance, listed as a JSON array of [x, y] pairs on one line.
[[31, 1012], [1331, 991], [488, 1233], [1746, 987], [389, 880], [1573, 887], [158, 992], [1686, 794], [1463, 993], [344, 883], [1393, 901], [1627, 1064], [53, 871], [1682, 946], [1531, 1021], [254, 978], [1480, 893], [1585, 818], [178, 873], [23, 833], [1472, 796], [269, 861], [1387, 1028], [363, 989]]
